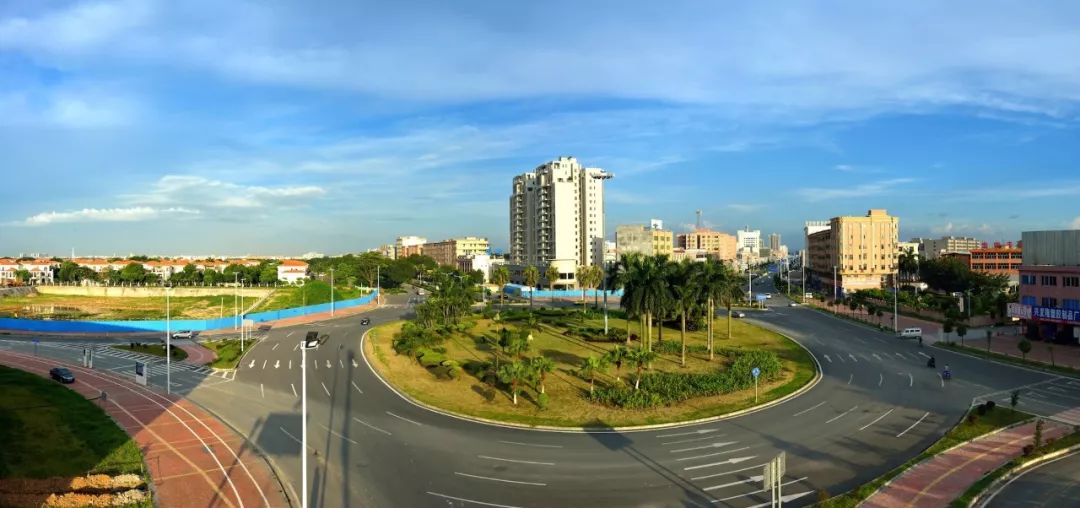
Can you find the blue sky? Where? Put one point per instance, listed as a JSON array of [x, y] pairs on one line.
[[287, 127]]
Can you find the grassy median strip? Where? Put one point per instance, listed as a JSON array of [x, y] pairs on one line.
[[48, 430], [1058, 369], [966, 430], [228, 352], [978, 487], [152, 349]]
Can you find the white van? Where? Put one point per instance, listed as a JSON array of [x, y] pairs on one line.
[[911, 333]]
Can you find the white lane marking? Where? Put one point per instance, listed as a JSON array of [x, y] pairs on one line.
[[357, 387], [276, 344], [785, 499], [341, 363], [827, 358], [875, 355], [403, 418], [942, 378], [316, 363], [914, 424], [290, 364], [878, 419], [924, 355], [354, 364], [264, 365], [287, 335], [467, 475], [841, 358], [294, 348], [700, 431], [735, 460], [262, 391], [277, 363], [294, 438], [851, 377], [901, 355], [328, 364], [837, 417], [331, 431], [370, 426], [759, 492], [516, 461], [532, 444], [473, 501], [714, 475], [324, 388], [705, 447], [751, 479], [717, 454], [910, 380], [293, 390], [804, 411], [251, 364], [881, 379], [691, 440]]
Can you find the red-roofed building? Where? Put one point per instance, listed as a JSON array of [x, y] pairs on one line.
[[292, 271]]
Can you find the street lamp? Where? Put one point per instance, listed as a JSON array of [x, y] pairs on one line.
[[241, 315], [834, 286], [311, 341], [331, 291], [895, 306], [168, 343], [236, 295]]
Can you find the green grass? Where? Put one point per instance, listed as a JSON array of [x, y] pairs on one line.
[[566, 391], [978, 487], [153, 349], [36, 306], [312, 293], [1059, 369], [48, 430], [228, 352], [964, 431]]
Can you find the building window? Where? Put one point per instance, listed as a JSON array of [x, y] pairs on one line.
[[1028, 300], [1049, 302], [1071, 304], [1071, 282], [1027, 280], [1048, 280]]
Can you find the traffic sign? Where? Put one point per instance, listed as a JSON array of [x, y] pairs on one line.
[[755, 371]]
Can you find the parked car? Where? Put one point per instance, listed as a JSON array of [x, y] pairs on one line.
[[183, 334], [365, 321], [911, 333], [738, 314], [62, 375]]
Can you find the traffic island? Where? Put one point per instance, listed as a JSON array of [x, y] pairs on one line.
[[557, 368]]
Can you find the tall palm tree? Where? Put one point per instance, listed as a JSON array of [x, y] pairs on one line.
[[532, 277], [590, 367], [514, 374], [711, 278], [642, 359], [731, 292], [655, 294], [541, 366], [616, 356], [552, 275], [583, 277], [628, 273], [685, 296], [501, 276]]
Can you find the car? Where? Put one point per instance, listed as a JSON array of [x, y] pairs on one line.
[[365, 321], [911, 333], [793, 304], [183, 334], [62, 375], [768, 296], [738, 314]]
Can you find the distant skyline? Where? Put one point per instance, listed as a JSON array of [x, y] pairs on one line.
[[253, 127]]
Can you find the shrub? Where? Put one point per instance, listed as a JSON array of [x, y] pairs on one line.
[[429, 358], [675, 347], [972, 418], [1028, 449], [617, 334], [542, 400], [990, 405], [980, 409]]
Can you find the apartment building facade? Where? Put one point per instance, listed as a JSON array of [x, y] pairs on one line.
[[716, 244], [406, 246], [933, 248], [556, 215], [447, 252], [856, 252], [637, 238], [1050, 286], [999, 259]]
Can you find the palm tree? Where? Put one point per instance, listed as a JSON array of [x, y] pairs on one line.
[[590, 366], [642, 359], [552, 275], [514, 374], [541, 366], [616, 356], [532, 276], [517, 345], [500, 277], [583, 278], [730, 292], [596, 280], [628, 273], [711, 277], [655, 291], [685, 296]]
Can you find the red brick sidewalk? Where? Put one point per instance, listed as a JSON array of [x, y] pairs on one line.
[[194, 459], [196, 353], [1068, 356], [944, 477]]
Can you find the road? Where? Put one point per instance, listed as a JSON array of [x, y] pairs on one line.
[[876, 406], [1055, 484]]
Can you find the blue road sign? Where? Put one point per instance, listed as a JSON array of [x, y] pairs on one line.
[[756, 372], [36, 340]]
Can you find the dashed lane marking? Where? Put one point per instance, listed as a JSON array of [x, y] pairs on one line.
[[699, 431], [804, 411], [406, 419], [276, 344], [881, 379], [357, 387], [761, 491], [827, 358], [370, 426], [532, 444], [467, 475], [841, 415], [921, 418], [262, 390], [473, 501], [691, 440], [332, 432], [293, 390], [851, 377], [264, 364], [878, 419], [325, 389], [516, 461], [875, 355]]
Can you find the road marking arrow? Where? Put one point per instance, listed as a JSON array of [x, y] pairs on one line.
[[328, 364], [251, 365], [277, 363], [827, 358], [752, 479], [354, 364], [853, 358], [735, 460]]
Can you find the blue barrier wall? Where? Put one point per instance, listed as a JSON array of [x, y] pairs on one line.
[[523, 291], [198, 325]]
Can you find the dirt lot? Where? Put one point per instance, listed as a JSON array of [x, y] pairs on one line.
[[39, 306]]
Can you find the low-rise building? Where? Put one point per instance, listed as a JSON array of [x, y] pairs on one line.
[[998, 260], [1050, 286], [292, 271], [476, 262], [933, 248], [406, 246], [720, 245], [447, 252], [648, 240], [8, 271]]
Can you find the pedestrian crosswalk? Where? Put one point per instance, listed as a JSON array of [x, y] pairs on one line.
[[153, 362]]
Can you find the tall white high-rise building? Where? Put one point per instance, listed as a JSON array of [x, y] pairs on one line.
[[556, 217], [747, 240]]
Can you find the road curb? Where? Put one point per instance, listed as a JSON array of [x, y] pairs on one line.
[[982, 499], [582, 430], [1007, 364]]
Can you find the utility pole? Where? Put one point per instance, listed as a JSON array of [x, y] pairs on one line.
[[168, 343], [803, 259], [311, 341], [834, 286], [895, 305], [236, 296], [331, 291]]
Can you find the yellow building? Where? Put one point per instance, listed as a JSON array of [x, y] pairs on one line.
[[718, 245], [856, 252], [646, 240], [447, 252]]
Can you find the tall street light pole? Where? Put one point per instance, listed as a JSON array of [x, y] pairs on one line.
[[242, 281], [168, 343], [378, 285], [835, 288], [331, 291], [311, 341], [895, 305], [236, 296], [802, 260]]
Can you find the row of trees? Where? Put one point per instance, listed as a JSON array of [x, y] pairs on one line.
[[655, 288]]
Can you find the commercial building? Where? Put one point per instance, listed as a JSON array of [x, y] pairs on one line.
[[855, 253], [719, 245], [556, 215], [1050, 286], [998, 260], [650, 241], [931, 248], [406, 246], [748, 241], [774, 241], [292, 271], [474, 262], [447, 252], [907, 247]]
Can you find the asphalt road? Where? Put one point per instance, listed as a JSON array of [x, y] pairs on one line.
[[876, 406], [1055, 484]]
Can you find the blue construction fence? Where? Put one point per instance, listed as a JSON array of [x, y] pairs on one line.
[[158, 325], [523, 292]]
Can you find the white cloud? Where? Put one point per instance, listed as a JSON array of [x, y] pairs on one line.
[[844, 167], [1075, 223], [82, 27], [743, 207], [132, 214], [181, 189], [814, 194]]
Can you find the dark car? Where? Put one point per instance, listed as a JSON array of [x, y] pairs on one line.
[[365, 322], [62, 375]]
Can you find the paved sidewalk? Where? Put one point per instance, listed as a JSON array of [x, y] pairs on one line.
[[944, 477], [197, 354], [194, 459]]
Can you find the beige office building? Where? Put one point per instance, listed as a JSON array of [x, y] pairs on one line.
[[646, 240], [447, 252], [856, 252], [556, 215], [716, 244], [933, 248]]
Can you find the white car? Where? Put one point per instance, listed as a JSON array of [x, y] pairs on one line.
[[738, 314], [793, 304], [183, 334], [768, 296]]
